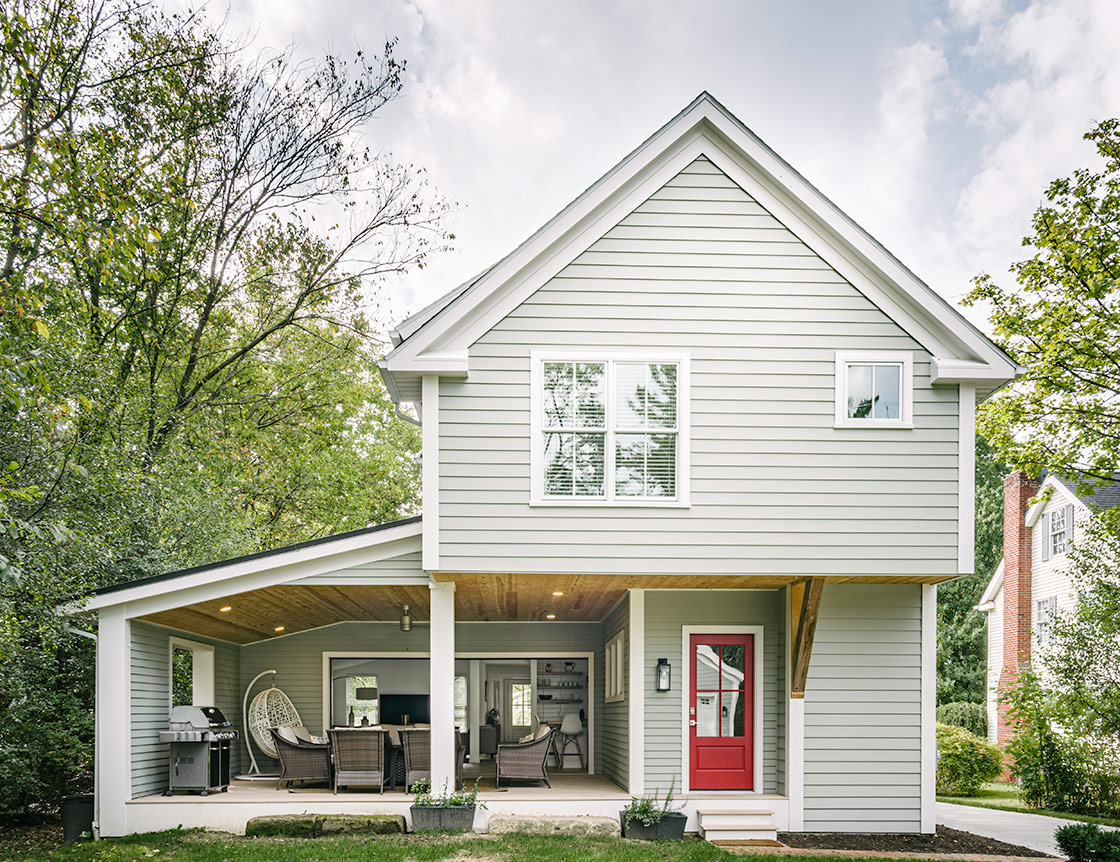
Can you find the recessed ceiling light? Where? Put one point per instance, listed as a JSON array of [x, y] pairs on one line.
[[550, 616], [226, 608], [278, 629], [558, 593]]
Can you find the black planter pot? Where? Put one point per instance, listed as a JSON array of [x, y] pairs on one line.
[[668, 828], [442, 818]]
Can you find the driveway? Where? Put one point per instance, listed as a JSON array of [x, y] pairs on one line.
[[1026, 830]]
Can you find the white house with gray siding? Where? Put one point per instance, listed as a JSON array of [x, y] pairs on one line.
[[695, 457]]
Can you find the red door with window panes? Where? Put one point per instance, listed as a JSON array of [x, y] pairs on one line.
[[721, 712]]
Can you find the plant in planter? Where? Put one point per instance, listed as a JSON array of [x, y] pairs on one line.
[[648, 819], [446, 812]]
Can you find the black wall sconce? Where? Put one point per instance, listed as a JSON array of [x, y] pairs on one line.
[[664, 675]]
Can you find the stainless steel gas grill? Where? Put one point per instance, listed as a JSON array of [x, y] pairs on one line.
[[200, 740]]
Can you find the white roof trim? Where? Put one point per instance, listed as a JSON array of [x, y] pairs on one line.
[[987, 600], [436, 340], [1035, 511], [269, 570]]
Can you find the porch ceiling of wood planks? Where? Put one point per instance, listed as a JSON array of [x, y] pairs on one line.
[[255, 615]]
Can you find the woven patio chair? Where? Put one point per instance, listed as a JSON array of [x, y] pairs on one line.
[[359, 757], [525, 759], [301, 761], [417, 756]]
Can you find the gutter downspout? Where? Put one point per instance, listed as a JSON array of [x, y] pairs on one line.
[[96, 738]]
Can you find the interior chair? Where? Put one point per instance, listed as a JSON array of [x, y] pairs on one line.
[[527, 760], [571, 729], [299, 760], [359, 758]]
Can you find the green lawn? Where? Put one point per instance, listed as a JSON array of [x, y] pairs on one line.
[[216, 847], [1006, 797]]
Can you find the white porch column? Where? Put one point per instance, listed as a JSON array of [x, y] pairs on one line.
[[442, 669], [637, 730], [113, 713], [929, 707], [795, 734]]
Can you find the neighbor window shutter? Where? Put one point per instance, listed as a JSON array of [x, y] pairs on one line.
[[1045, 537], [1069, 523]]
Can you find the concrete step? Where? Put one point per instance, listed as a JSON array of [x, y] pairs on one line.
[[724, 825]]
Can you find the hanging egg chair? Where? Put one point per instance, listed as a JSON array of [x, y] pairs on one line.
[[271, 708]]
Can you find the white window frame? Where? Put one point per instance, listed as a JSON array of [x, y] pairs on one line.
[[1051, 532], [614, 662], [1045, 610], [905, 359], [684, 444], [202, 671]]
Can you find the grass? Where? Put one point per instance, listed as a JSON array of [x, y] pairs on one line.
[[193, 846], [1005, 797]]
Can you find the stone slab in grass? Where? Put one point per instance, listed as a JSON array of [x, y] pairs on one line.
[[314, 825], [528, 824], [364, 824], [282, 825]]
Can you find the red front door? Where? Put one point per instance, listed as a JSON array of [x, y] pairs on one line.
[[721, 712]]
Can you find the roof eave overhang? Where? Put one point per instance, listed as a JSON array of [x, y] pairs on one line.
[[436, 340]]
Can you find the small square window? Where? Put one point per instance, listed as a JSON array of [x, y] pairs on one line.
[[874, 389]]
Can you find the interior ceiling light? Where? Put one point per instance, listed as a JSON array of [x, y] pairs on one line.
[[406, 619], [278, 629], [226, 608]]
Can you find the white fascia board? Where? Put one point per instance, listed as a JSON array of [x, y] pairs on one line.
[[277, 568], [706, 128], [988, 598]]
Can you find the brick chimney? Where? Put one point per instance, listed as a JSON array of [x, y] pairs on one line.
[[1018, 488]]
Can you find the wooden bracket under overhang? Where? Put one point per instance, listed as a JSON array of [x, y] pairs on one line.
[[805, 606]]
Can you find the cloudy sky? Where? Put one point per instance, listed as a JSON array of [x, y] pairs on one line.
[[936, 125]]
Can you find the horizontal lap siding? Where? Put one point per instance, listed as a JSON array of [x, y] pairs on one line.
[[702, 267], [863, 711], [151, 696], [406, 565], [667, 612], [616, 715], [298, 658]]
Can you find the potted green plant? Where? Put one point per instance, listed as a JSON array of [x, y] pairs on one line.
[[648, 819], [446, 812]]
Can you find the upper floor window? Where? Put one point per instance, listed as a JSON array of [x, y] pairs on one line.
[[1058, 532], [874, 389], [610, 429]]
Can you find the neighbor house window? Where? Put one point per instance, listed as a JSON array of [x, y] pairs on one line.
[[1058, 532], [874, 389], [1044, 613], [615, 678], [610, 429], [362, 707]]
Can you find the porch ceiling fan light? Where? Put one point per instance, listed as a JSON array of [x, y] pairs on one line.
[[406, 619]]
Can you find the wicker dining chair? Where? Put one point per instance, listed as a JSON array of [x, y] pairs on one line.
[[417, 756], [359, 757], [525, 760], [301, 761]]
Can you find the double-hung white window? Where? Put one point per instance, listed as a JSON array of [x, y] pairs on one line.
[[1057, 537], [874, 389], [610, 429]]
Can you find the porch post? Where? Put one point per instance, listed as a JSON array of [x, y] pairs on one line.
[[113, 714], [442, 669], [795, 730], [637, 717]]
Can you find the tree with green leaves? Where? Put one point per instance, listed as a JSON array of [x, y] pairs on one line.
[[1061, 321]]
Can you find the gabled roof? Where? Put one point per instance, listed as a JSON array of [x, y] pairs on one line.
[[272, 559], [435, 341], [1101, 496]]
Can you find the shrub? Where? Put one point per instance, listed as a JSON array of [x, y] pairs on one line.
[[1087, 842], [973, 717], [965, 761]]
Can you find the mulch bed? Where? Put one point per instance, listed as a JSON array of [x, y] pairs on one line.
[[945, 840]]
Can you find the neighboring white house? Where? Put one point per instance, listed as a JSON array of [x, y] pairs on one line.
[[1032, 582], [700, 419]]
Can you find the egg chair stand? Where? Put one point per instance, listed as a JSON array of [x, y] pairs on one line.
[[270, 708]]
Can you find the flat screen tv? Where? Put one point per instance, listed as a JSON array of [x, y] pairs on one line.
[[395, 706]]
